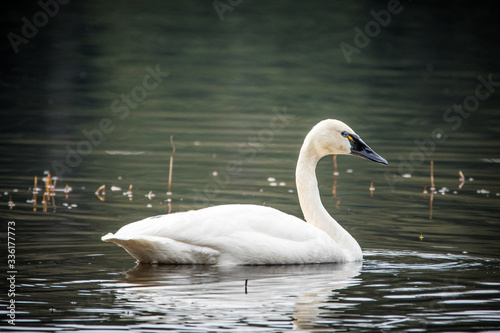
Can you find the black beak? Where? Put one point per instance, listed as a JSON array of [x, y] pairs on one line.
[[361, 149]]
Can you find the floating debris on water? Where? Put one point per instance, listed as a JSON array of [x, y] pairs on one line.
[[49, 189], [491, 160], [272, 182], [49, 192], [44, 202], [67, 189], [444, 190], [101, 192], [123, 152], [461, 179], [11, 203], [129, 193]]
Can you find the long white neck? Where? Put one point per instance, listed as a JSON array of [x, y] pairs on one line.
[[310, 201]]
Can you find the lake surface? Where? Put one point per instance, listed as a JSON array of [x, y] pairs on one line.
[[95, 95]]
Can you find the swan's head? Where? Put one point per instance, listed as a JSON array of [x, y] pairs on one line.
[[334, 137]]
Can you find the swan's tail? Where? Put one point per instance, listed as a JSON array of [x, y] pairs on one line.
[[108, 237], [161, 250]]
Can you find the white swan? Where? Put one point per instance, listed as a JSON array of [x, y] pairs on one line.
[[251, 234]]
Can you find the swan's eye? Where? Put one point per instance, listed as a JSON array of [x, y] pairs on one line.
[[354, 140], [345, 134]]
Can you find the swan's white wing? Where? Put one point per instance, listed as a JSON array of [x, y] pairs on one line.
[[227, 234], [154, 249]]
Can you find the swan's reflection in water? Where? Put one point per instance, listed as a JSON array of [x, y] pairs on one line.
[[290, 296]]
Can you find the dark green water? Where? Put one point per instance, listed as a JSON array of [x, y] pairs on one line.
[[89, 100]]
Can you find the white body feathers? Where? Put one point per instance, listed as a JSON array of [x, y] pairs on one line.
[[251, 234], [227, 235]]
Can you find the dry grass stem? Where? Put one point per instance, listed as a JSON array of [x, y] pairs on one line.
[[44, 202], [129, 193], [47, 192], [169, 189], [171, 167], [101, 195], [53, 194], [433, 188], [461, 179], [35, 192]]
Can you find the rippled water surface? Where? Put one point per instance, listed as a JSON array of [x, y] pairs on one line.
[[244, 91]]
